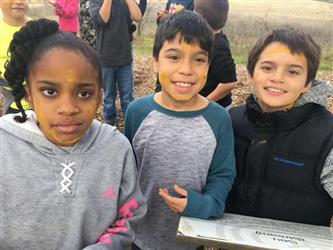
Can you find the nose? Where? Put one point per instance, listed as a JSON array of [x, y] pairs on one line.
[[68, 106], [186, 67], [277, 76]]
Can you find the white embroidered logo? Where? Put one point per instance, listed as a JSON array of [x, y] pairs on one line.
[[66, 174]]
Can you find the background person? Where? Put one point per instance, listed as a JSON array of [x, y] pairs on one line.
[[115, 51]]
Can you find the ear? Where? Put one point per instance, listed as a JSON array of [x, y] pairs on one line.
[[249, 79], [28, 94]]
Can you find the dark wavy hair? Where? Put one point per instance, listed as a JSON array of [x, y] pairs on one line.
[[30, 44]]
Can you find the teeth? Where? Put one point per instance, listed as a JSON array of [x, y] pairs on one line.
[[275, 90], [183, 84]]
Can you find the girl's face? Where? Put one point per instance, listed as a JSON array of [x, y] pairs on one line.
[[64, 92]]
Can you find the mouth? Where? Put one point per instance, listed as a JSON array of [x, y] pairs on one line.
[[68, 128], [275, 91], [18, 9], [183, 86]]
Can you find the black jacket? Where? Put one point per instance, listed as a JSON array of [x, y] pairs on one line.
[[280, 156]]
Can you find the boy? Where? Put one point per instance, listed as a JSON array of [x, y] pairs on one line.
[[182, 141], [14, 17], [221, 77], [284, 134], [111, 19]]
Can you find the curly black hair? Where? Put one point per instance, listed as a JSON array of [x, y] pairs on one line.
[[30, 44]]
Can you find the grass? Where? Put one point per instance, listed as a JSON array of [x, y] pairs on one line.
[[250, 19], [143, 45], [240, 47]]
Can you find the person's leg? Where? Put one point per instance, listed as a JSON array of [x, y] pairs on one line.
[[125, 85], [110, 93]]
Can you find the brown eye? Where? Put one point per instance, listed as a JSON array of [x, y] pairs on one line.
[[85, 94], [49, 92]]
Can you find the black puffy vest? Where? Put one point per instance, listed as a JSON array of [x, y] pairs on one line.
[[280, 156]]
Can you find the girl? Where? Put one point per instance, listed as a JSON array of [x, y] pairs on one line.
[[67, 180], [67, 12]]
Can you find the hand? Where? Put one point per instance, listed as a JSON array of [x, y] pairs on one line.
[[162, 14], [176, 204]]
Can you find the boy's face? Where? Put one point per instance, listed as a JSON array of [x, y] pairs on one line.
[[182, 70], [64, 94], [279, 77], [16, 9]]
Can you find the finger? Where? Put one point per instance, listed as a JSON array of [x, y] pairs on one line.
[[181, 191], [172, 206]]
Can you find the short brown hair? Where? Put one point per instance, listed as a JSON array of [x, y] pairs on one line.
[[297, 41], [214, 11]]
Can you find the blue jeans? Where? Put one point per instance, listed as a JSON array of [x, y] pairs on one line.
[[121, 78]]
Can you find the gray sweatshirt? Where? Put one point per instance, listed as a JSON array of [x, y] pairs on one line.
[[52, 197]]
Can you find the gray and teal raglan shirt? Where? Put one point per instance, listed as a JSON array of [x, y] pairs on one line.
[[192, 149], [52, 197]]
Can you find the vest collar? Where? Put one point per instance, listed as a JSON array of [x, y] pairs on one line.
[[279, 120]]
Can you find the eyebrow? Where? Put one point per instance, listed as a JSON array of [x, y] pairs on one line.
[[201, 52], [290, 65], [55, 84]]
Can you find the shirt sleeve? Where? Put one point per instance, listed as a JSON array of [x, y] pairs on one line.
[[326, 177], [67, 8], [211, 202], [131, 210], [136, 112]]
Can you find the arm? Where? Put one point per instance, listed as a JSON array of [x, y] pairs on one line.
[[211, 202], [134, 10], [327, 174], [131, 210], [223, 68], [105, 10], [221, 91], [100, 11], [66, 9]]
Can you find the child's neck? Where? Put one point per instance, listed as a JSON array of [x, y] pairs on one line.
[[13, 21], [195, 104]]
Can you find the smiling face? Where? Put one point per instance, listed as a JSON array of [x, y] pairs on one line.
[[182, 69], [64, 94], [14, 11], [279, 77]]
